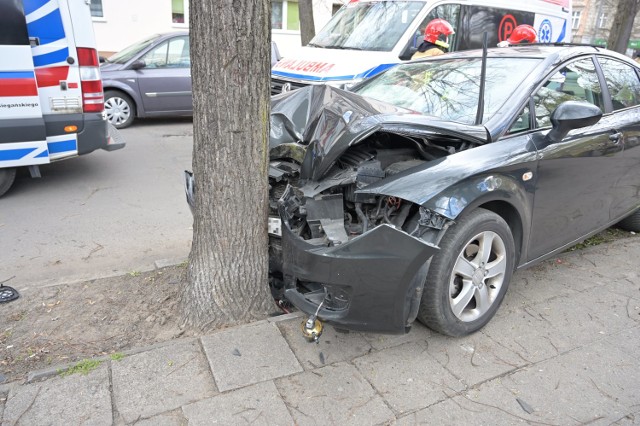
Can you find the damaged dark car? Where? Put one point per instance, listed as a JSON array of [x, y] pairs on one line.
[[420, 192]]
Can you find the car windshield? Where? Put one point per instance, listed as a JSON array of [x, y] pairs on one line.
[[449, 89], [368, 25], [128, 53]]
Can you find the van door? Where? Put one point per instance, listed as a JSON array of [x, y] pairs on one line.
[[22, 129]]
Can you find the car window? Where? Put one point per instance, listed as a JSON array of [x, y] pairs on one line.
[[170, 54], [449, 88], [522, 122], [576, 81], [126, 54], [623, 83]]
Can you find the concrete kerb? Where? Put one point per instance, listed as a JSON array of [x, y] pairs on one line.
[[46, 373]]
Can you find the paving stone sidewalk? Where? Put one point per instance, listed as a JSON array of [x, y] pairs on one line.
[[563, 349]]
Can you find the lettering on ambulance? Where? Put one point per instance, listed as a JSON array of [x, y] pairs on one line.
[[44, 23], [305, 66]]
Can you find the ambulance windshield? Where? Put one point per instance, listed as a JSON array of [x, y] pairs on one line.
[[363, 25]]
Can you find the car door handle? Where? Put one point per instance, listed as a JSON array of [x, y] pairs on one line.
[[615, 137]]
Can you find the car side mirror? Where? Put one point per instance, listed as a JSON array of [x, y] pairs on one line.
[[136, 65], [571, 115]]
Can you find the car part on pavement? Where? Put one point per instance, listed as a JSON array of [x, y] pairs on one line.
[[120, 109], [7, 294]]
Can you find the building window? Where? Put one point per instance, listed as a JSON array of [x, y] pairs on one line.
[[96, 9], [284, 15], [602, 20], [180, 11], [575, 19]]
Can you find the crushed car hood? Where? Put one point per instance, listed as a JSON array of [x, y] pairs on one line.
[[328, 121]]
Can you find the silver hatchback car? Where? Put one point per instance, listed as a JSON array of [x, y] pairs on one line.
[[151, 78]]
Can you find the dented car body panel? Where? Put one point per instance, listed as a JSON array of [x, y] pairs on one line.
[[366, 285]]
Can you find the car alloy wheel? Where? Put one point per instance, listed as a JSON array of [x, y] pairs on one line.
[[469, 277], [477, 276]]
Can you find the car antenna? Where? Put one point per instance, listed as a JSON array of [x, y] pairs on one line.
[[483, 74]]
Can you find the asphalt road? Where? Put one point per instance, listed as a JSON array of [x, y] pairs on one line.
[[101, 214]]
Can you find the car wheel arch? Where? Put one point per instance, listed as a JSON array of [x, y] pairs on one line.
[[512, 202], [138, 111]]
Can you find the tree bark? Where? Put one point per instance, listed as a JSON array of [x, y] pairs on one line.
[[307, 27], [227, 272], [623, 25]]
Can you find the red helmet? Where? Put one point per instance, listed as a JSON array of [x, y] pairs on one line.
[[523, 34], [435, 29]]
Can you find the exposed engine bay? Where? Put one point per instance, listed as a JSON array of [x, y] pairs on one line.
[[332, 211]]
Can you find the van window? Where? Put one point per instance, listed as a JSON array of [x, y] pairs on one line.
[[497, 23], [375, 26], [448, 12], [13, 27]]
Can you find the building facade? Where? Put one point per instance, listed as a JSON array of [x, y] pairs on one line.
[[119, 23], [592, 21]]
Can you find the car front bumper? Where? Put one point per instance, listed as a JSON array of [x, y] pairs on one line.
[[373, 282]]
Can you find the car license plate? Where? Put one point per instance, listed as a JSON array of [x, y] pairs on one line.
[[275, 226]]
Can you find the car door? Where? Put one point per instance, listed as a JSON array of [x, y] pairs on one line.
[[165, 80], [574, 176], [623, 84]]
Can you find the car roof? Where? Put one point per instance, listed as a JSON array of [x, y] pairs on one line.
[[552, 52]]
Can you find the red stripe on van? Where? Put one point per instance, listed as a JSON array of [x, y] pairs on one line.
[[51, 76], [563, 3], [18, 87]]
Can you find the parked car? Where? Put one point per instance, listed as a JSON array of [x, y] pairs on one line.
[[419, 193], [151, 78]]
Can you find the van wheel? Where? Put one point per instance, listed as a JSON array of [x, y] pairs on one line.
[[120, 109], [631, 222], [7, 177], [468, 278]]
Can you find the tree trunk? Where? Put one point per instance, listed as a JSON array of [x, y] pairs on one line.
[[307, 27], [227, 272], [623, 25]]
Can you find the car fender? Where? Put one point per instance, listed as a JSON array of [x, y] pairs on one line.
[[123, 87]]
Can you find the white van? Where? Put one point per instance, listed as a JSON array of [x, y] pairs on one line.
[[51, 98], [366, 37]]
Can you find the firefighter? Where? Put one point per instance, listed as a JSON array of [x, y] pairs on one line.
[[436, 39], [522, 34]]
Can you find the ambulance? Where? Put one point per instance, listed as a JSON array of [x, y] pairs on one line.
[[51, 97], [366, 37]]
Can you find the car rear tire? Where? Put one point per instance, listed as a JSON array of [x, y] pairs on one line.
[[7, 177], [120, 109], [469, 277], [631, 222]]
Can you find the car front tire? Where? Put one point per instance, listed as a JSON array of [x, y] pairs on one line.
[[468, 278], [120, 109]]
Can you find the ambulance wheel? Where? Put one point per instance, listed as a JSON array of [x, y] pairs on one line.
[[7, 176], [120, 109]]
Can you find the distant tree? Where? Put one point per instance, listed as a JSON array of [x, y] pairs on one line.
[[623, 25], [227, 271], [307, 27]]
